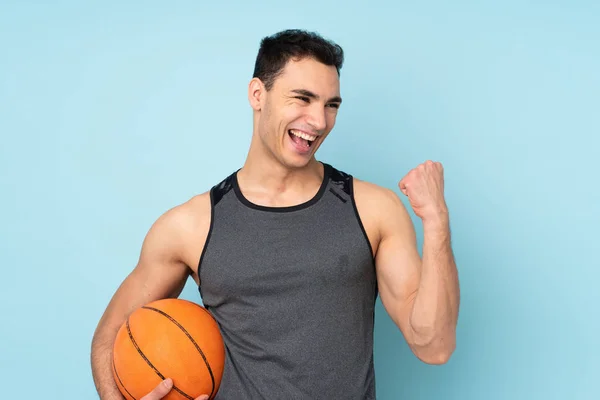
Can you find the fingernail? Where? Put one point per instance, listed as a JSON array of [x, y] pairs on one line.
[[168, 382]]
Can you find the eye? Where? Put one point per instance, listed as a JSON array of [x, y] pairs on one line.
[[303, 98], [334, 105]]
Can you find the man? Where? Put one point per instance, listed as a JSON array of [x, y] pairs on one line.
[[290, 253]]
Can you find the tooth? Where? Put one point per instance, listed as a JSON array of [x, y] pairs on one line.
[[303, 135]]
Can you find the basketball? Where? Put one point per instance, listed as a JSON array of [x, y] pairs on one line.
[[169, 338]]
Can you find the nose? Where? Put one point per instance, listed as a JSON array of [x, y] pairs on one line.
[[316, 117]]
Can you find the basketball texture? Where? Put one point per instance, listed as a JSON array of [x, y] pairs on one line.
[[170, 338]]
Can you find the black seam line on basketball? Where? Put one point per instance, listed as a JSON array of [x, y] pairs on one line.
[[164, 314], [120, 381], [181, 392]]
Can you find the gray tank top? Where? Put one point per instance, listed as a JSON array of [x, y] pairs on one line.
[[293, 290]]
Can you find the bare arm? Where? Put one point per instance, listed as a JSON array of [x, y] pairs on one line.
[[420, 295], [161, 272], [435, 313]]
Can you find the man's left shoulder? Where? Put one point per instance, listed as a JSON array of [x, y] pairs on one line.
[[369, 195], [376, 195], [383, 210]]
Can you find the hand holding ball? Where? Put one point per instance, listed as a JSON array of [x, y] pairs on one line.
[[169, 338]]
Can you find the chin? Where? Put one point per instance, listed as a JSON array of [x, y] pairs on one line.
[[296, 162], [293, 156], [299, 160]]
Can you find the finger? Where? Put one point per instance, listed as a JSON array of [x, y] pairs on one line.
[[203, 397], [160, 391], [402, 187]]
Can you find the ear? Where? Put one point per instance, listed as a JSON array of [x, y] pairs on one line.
[[256, 94]]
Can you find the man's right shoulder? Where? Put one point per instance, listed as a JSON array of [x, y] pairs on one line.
[[178, 234], [190, 213], [187, 224]]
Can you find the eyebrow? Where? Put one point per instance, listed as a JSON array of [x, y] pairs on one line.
[[308, 93]]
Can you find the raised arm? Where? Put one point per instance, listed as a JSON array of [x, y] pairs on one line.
[[421, 295], [161, 272]]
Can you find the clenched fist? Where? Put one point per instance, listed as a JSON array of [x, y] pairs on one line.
[[424, 187]]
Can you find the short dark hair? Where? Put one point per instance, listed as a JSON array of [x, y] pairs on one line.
[[277, 49]]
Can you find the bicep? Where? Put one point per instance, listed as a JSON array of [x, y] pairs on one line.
[[159, 273], [398, 264]]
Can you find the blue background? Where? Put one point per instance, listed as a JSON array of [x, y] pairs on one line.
[[112, 113]]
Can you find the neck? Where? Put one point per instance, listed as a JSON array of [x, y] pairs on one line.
[[262, 172]]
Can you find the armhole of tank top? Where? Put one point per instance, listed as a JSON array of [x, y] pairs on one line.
[[209, 233], [359, 219]]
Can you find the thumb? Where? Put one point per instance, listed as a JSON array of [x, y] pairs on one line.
[[160, 391], [203, 397], [402, 186]]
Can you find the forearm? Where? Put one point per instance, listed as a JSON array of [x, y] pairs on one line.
[[101, 359], [435, 309]]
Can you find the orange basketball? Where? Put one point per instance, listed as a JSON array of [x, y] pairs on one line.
[[170, 338]]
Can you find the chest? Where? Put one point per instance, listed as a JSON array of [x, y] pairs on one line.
[[278, 255]]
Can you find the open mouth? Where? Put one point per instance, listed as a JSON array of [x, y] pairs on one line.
[[302, 139]]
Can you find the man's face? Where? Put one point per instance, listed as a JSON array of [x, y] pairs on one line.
[[299, 111]]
